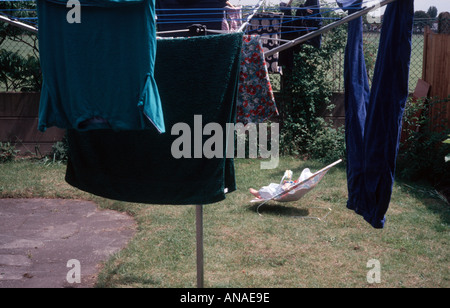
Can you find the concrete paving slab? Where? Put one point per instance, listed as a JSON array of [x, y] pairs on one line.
[[56, 243]]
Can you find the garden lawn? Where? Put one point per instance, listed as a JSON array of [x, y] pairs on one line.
[[243, 249]]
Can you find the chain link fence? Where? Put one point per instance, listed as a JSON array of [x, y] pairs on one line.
[[372, 34], [19, 55]]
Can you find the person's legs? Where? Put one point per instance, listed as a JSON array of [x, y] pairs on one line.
[[255, 193]]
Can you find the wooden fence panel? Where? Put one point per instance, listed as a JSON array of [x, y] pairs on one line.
[[436, 72], [18, 124]]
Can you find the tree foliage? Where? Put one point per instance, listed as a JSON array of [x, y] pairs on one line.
[[432, 12], [19, 54], [421, 20], [306, 94]]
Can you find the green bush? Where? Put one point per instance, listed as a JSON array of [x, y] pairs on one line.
[[60, 151], [328, 144], [19, 73], [422, 149], [19, 54], [306, 92], [8, 152], [447, 157]]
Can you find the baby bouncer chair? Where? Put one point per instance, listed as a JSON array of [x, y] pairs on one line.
[[290, 191]]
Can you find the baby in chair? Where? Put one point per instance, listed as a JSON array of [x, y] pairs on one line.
[[268, 192]]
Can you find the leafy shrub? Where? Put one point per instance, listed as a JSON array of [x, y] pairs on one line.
[[306, 93], [60, 151], [19, 54], [422, 151], [328, 144], [19, 73], [8, 152], [447, 157]]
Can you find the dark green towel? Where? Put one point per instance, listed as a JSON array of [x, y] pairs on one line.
[[196, 76]]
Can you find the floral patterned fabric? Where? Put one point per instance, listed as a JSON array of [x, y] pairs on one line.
[[256, 102]]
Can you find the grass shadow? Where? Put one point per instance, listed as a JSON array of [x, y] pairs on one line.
[[422, 191], [276, 209]]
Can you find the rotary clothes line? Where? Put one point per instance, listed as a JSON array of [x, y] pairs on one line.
[[91, 150], [398, 104], [144, 168], [98, 165], [354, 15]]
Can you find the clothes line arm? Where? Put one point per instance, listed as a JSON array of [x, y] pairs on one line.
[[327, 28], [18, 24], [35, 30], [271, 52], [256, 9]]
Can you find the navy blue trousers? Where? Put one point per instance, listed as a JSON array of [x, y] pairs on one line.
[[374, 118]]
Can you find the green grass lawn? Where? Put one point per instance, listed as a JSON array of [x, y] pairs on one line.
[[243, 249]]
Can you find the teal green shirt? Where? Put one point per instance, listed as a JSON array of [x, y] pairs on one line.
[[98, 74]]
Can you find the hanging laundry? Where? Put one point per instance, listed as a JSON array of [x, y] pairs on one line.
[[99, 73], [268, 26], [387, 103], [256, 102], [180, 14], [311, 20], [357, 94], [197, 77], [307, 19], [349, 4], [370, 190], [232, 19], [288, 32]]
